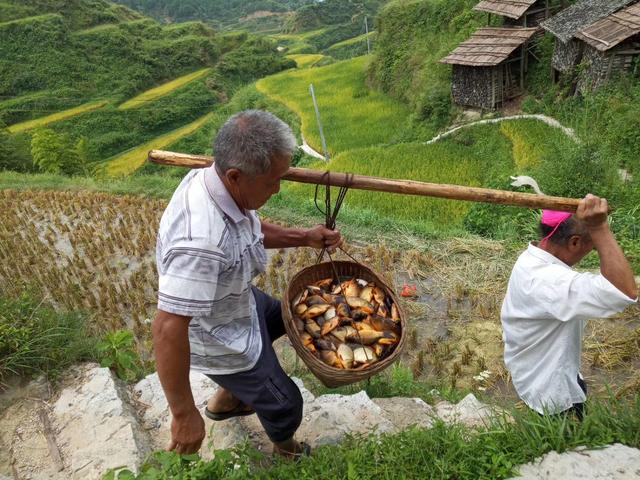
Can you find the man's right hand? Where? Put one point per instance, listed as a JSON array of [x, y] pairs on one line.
[[593, 212], [187, 432]]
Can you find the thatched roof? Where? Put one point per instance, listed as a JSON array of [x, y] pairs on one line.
[[489, 46], [614, 29], [579, 16], [507, 8]]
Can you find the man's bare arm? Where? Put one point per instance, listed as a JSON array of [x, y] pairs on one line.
[[171, 346], [319, 236], [613, 264]]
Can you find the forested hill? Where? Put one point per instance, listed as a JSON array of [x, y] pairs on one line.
[[260, 15], [253, 14]]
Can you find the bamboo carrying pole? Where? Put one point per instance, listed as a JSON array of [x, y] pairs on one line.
[[407, 187]]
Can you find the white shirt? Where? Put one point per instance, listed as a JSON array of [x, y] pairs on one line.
[[543, 317], [207, 253]]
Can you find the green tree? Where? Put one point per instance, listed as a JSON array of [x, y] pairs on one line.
[[58, 153], [14, 151]]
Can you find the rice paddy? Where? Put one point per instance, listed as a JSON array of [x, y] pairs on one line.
[[306, 60], [130, 161], [56, 117], [95, 252], [162, 90], [353, 116]]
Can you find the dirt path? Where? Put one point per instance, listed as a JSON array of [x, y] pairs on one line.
[[543, 118]]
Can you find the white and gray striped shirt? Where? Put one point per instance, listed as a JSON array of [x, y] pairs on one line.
[[208, 251]]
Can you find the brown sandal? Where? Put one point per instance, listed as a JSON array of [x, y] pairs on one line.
[[240, 410]]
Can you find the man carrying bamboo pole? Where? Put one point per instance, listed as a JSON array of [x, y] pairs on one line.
[[547, 304], [211, 245]]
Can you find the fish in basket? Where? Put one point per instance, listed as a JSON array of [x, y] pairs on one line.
[[344, 322]]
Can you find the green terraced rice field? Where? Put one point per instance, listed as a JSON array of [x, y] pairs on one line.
[[306, 60], [352, 115], [56, 117], [162, 90], [131, 160]]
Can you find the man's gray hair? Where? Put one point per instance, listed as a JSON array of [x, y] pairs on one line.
[[249, 140]]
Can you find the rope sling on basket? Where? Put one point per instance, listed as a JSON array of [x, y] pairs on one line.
[[343, 320]]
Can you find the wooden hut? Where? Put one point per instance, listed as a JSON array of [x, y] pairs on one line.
[[522, 13], [602, 35], [489, 68]]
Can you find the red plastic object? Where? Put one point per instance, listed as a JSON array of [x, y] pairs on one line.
[[409, 291]]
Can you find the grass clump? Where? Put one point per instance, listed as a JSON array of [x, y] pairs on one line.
[[444, 451], [35, 339]]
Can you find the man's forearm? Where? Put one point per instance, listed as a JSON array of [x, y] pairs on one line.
[[613, 264], [276, 236], [171, 346]]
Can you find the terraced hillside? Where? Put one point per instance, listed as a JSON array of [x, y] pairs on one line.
[[67, 71]]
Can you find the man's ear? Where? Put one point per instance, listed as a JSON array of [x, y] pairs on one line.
[[233, 176], [575, 242]]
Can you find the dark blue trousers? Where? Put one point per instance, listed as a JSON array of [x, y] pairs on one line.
[[266, 387]]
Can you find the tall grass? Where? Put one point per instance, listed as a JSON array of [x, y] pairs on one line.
[[36, 339], [162, 90], [353, 116], [131, 160], [56, 117]]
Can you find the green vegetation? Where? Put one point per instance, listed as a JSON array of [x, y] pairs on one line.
[[69, 71], [36, 339], [117, 351], [334, 13], [353, 116], [412, 37], [162, 90], [444, 451], [353, 47], [220, 13]]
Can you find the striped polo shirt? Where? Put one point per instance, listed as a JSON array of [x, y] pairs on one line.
[[207, 253]]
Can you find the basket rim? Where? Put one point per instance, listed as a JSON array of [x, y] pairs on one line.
[[329, 375]]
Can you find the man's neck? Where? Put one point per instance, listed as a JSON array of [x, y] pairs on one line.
[[230, 190], [555, 250]]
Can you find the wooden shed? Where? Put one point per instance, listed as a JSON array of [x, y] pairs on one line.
[[602, 35], [614, 45], [489, 68], [523, 13]]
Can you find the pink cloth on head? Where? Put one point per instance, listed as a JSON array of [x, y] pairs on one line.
[[553, 218]]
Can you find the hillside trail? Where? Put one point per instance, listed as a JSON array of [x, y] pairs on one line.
[[552, 122]]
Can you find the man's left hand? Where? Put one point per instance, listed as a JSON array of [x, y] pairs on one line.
[[321, 237]]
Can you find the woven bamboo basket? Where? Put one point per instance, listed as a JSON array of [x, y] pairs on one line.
[[328, 375]]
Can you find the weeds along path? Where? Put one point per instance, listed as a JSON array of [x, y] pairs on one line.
[[130, 161], [162, 90], [552, 122], [56, 117]]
